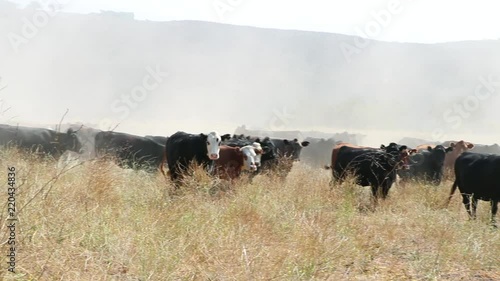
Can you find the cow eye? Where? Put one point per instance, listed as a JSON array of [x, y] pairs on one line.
[[208, 143]]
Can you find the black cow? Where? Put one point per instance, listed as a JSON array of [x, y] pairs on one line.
[[371, 167], [477, 178], [289, 149], [182, 148], [44, 141], [130, 151], [427, 165]]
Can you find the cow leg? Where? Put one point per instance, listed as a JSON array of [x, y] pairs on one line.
[[386, 185], [466, 200], [494, 210], [177, 174], [340, 181], [474, 207], [336, 179], [376, 191], [174, 175], [251, 176], [436, 179]]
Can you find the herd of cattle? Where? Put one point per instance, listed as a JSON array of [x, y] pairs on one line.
[[477, 173]]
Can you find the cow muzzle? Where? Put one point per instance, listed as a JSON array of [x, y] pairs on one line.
[[214, 156]]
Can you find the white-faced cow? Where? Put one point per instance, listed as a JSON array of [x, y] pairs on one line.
[[183, 148], [268, 155], [233, 160]]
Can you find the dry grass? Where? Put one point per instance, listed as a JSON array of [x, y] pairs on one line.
[[99, 222]]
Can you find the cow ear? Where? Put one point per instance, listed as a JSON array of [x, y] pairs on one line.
[[203, 136], [295, 140], [448, 149], [382, 146], [429, 148], [305, 143], [285, 141], [470, 145]]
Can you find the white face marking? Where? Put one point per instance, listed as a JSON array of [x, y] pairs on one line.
[[257, 147], [249, 152], [213, 145]]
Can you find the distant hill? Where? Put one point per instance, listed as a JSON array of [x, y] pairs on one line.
[[222, 76]]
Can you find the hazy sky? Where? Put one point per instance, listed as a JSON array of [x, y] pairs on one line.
[[41, 70], [423, 21]]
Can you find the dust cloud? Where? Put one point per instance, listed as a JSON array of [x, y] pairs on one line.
[[156, 78]]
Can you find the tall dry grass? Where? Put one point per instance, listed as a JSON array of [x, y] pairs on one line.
[[96, 221]]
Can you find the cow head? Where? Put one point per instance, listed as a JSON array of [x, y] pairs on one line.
[[461, 146], [268, 148], [436, 161], [400, 153], [438, 153], [249, 156], [293, 148], [213, 141]]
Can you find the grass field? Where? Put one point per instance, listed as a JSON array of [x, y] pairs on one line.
[[96, 221]]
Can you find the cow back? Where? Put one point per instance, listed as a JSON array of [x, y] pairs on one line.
[[39, 139], [338, 147], [230, 162], [182, 148], [477, 174], [130, 150]]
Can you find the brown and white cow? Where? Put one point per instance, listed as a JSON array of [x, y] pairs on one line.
[[232, 160]]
